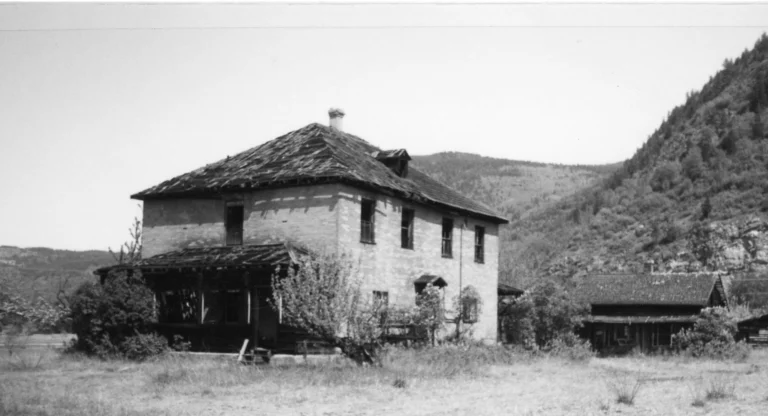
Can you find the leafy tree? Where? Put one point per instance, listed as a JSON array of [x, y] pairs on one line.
[[712, 335], [322, 295], [758, 131], [693, 164], [429, 314], [706, 208], [27, 315], [706, 146], [115, 318], [665, 176], [544, 313], [469, 308], [729, 142]]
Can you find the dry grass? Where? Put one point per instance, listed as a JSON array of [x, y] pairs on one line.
[[625, 386], [473, 380]]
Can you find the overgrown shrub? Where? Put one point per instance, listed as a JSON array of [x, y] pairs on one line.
[[570, 347], [429, 314], [142, 346], [544, 313], [712, 336], [115, 318]]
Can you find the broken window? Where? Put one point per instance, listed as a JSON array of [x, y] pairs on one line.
[[447, 248], [223, 306], [479, 244], [178, 306], [367, 221], [406, 229], [234, 224]]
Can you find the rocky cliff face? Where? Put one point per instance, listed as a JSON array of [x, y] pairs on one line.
[[732, 245]]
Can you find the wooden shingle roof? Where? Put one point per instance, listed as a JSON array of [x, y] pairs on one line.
[[315, 154], [264, 256], [684, 289]]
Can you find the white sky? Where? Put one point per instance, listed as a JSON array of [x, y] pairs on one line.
[[101, 101]]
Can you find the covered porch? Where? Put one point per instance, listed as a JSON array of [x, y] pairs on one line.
[[622, 334], [216, 297]]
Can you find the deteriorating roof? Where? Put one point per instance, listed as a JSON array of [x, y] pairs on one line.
[[315, 154], [268, 255], [641, 319], [391, 154], [682, 289]]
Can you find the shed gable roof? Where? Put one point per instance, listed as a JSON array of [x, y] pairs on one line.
[[312, 154], [682, 289]]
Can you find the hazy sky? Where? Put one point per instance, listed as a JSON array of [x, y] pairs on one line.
[[99, 102]]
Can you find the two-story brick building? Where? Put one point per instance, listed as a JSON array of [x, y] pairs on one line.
[[213, 237]]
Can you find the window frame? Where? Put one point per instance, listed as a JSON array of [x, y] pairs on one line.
[[370, 236], [469, 309], [479, 244], [234, 233], [406, 233], [446, 247]]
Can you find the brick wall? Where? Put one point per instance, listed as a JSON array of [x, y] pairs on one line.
[[306, 215], [388, 267], [179, 223], [327, 217], [303, 214]]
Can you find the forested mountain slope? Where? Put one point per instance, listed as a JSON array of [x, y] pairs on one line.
[[42, 272], [513, 187], [694, 197]]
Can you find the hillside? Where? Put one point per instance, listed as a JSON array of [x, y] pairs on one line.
[[692, 198], [42, 271], [513, 187]]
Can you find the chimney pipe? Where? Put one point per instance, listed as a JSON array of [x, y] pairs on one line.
[[337, 116]]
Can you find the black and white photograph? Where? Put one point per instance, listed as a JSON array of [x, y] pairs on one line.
[[383, 208]]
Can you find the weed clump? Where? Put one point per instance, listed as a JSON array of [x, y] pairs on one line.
[[721, 387], [625, 386]]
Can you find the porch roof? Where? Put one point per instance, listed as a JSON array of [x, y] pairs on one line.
[[429, 279], [645, 319], [228, 257]]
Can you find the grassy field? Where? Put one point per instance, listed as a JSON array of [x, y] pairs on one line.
[[481, 381]]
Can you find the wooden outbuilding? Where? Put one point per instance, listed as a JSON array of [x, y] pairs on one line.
[[754, 330], [643, 311]]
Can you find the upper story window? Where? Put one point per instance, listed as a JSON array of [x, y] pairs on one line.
[[367, 214], [447, 248], [234, 224], [406, 229], [479, 244]]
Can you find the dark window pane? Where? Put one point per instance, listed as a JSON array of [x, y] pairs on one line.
[[406, 229], [367, 221], [447, 248], [234, 225], [479, 244]]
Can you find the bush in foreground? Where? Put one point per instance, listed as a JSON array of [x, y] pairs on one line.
[[543, 314], [712, 336], [115, 318]]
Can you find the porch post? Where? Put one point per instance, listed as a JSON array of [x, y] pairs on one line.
[[254, 315], [200, 299]]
